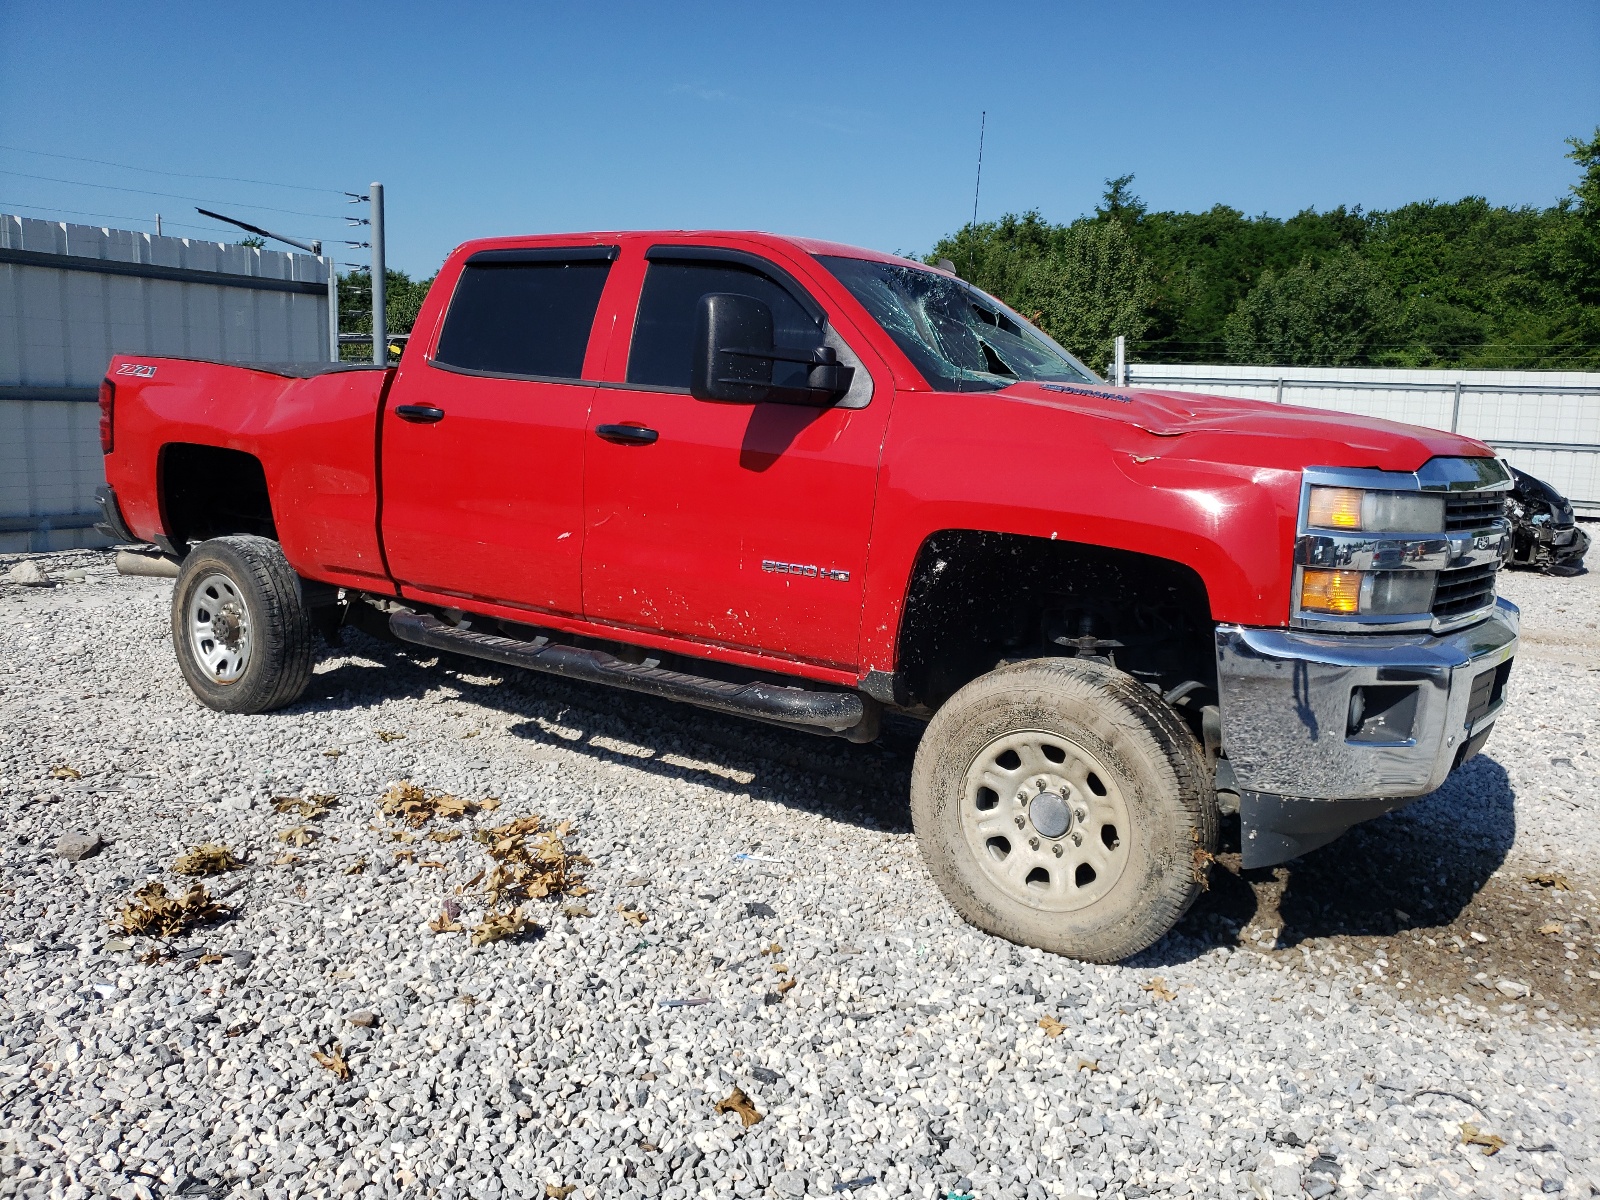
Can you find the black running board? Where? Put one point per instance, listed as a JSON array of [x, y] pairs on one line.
[[832, 714]]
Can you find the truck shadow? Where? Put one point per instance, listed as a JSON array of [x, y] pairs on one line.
[[865, 785], [1418, 868]]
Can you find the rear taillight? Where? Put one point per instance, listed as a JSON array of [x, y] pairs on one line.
[[108, 400]]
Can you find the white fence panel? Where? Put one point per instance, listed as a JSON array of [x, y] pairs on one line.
[[1545, 422], [71, 296]]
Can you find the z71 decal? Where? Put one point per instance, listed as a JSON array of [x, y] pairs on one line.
[[807, 570], [140, 370]]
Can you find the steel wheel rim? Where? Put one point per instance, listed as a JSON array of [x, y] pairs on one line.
[[1011, 814], [219, 628]]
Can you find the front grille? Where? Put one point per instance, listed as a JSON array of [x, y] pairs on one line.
[[1487, 690], [1473, 510], [1464, 590]]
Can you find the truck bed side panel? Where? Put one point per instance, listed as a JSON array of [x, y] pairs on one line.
[[315, 438]]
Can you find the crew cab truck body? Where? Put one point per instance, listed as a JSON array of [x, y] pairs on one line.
[[808, 483]]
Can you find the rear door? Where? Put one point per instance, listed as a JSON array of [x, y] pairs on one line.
[[742, 525], [483, 440]]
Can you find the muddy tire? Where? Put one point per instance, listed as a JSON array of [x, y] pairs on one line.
[[240, 626], [1061, 804]]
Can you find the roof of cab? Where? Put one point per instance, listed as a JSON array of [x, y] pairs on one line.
[[608, 237]]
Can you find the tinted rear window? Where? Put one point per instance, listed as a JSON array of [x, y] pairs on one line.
[[663, 334], [523, 318]]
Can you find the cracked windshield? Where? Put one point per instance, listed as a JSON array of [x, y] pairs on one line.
[[959, 339]]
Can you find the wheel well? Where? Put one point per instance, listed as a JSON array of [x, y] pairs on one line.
[[979, 599], [208, 491]]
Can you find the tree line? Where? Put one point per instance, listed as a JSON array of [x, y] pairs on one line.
[[1430, 284]]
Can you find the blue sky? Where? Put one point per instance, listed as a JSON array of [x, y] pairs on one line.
[[857, 122]]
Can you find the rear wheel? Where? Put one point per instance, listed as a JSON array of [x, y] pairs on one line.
[[240, 626], [1060, 804]]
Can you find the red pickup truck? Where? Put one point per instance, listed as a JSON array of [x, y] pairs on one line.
[[808, 483]]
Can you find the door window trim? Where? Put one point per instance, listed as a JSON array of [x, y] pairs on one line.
[[519, 254], [680, 252]]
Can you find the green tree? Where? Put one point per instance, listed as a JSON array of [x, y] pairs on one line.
[[402, 299], [1091, 287], [1338, 314]]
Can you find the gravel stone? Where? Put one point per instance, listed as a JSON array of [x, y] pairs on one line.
[[75, 847], [1312, 1047], [29, 574]]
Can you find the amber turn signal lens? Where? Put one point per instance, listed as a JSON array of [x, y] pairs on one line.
[[1335, 508], [1331, 592]]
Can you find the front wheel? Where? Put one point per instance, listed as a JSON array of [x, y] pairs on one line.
[[240, 626], [1060, 804]]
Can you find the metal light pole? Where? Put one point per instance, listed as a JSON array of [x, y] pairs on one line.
[[380, 331]]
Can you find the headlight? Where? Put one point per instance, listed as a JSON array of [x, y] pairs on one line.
[[1366, 593], [1359, 510]]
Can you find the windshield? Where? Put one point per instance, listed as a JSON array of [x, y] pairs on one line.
[[960, 339]]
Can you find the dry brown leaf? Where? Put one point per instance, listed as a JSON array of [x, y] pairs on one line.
[[332, 1057], [445, 923], [207, 960], [208, 859], [1088, 1064], [286, 860], [431, 862], [1052, 1027], [772, 949], [416, 805], [388, 735], [1158, 988], [356, 867], [471, 733], [1551, 879], [737, 1102], [633, 916], [1471, 1135], [558, 1191], [497, 927], [334, 753], [409, 856], [62, 771], [154, 912], [308, 807], [575, 910], [300, 836], [530, 862], [786, 985], [444, 835]]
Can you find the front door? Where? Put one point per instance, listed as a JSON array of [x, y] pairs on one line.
[[741, 525], [482, 444]]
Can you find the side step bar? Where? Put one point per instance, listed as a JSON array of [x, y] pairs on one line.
[[831, 714]]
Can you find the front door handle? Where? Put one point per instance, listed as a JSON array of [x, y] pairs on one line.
[[419, 414], [627, 435]]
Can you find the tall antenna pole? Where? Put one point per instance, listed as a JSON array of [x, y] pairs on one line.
[[983, 120]]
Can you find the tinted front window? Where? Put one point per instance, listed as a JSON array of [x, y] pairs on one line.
[[663, 335], [958, 338], [523, 318]]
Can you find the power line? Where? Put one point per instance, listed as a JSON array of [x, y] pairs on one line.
[[78, 212], [175, 174], [107, 187]]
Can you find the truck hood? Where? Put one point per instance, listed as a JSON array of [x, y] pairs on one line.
[[1193, 425]]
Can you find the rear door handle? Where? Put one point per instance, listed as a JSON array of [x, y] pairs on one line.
[[627, 435], [419, 414]]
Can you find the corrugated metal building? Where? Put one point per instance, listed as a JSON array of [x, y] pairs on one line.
[[1545, 422], [71, 296]]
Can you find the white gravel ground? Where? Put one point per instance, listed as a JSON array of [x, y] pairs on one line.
[[1231, 1060]]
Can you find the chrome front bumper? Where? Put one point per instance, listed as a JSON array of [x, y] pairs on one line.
[[1288, 728]]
